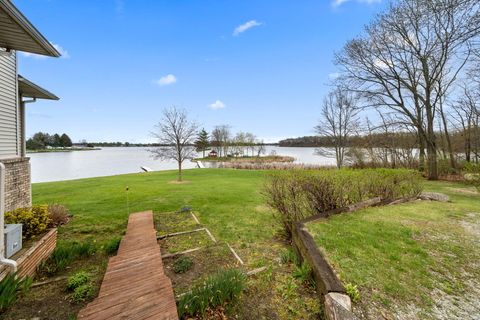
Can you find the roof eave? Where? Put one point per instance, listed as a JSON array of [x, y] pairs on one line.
[[23, 22], [44, 94]]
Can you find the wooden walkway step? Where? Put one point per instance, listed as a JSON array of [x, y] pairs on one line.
[[135, 286]]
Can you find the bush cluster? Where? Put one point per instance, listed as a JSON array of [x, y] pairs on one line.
[[182, 264], [298, 194], [65, 253], [35, 220], [215, 291], [80, 284], [58, 215]]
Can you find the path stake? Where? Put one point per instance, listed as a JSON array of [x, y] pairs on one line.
[[235, 254], [178, 233]]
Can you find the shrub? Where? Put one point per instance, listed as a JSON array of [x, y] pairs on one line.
[[298, 194], [76, 280], [352, 292], [58, 215], [34, 220], [473, 174], [111, 247], [216, 290], [10, 288], [303, 273], [83, 292], [289, 256], [182, 264], [65, 253]]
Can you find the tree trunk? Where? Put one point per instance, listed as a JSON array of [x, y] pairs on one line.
[[421, 156], [432, 161], [447, 138], [179, 170]]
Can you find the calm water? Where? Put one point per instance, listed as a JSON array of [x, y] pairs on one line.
[[56, 166]]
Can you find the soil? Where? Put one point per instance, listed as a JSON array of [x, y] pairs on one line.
[[52, 301], [206, 261]]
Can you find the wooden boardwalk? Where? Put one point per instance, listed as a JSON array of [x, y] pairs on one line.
[[135, 286]]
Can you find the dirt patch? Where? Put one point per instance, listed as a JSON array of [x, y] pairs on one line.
[[184, 242], [179, 182], [464, 191], [170, 222], [52, 301], [206, 261]]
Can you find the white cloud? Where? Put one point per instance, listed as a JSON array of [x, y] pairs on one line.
[[166, 80], [244, 27], [217, 105], [59, 48], [337, 3]]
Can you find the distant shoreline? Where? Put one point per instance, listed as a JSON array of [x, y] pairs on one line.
[[62, 150]]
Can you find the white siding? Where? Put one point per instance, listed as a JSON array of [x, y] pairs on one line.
[[9, 112]]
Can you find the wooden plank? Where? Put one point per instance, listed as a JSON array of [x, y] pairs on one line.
[[134, 285]]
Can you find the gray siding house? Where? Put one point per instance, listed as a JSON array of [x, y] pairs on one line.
[[17, 34]]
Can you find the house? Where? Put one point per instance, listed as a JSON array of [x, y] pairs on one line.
[[212, 154], [17, 34]]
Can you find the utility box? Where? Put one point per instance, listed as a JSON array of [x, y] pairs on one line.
[[13, 239]]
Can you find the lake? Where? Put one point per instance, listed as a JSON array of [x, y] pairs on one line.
[[56, 166]]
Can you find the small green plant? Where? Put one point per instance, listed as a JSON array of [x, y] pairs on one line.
[[77, 280], [34, 220], [289, 256], [288, 289], [65, 253], [83, 293], [216, 290], [111, 247], [304, 274], [352, 292], [182, 264], [10, 288]]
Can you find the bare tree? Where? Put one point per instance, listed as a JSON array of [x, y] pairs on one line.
[[176, 135], [338, 122], [221, 139], [409, 58]]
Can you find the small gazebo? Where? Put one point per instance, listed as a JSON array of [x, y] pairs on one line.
[[212, 154]]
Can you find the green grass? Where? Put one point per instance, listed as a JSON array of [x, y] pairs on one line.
[[401, 255], [227, 201]]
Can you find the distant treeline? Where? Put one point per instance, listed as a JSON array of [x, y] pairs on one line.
[[41, 140]]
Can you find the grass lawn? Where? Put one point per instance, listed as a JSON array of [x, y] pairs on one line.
[[228, 202], [408, 260], [413, 260]]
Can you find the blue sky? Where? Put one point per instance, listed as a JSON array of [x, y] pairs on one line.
[[258, 65]]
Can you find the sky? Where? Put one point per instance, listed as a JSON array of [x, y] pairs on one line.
[[261, 66]]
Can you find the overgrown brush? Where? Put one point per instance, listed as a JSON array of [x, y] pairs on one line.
[[58, 215], [216, 290], [298, 194], [111, 246], [11, 288], [65, 253]]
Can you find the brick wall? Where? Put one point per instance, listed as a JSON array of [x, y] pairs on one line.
[[17, 183]]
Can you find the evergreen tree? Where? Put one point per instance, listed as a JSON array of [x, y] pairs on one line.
[[202, 144], [65, 141]]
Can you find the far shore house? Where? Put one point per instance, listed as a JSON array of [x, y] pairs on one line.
[[17, 34]]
